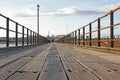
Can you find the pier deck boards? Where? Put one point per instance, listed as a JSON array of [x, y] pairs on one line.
[[59, 62]]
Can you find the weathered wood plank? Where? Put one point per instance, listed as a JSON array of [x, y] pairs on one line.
[[103, 72], [9, 69], [53, 69], [32, 69], [106, 65], [101, 67], [74, 70], [63, 63]]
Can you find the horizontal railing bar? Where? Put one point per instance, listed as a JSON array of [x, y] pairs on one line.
[[2, 28], [93, 37]]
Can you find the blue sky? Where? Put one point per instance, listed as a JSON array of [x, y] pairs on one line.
[[56, 15]]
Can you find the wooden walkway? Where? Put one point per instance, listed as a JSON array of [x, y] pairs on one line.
[[58, 62]]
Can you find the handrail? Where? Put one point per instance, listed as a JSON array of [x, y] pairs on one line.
[[30, 37], [78, 37]]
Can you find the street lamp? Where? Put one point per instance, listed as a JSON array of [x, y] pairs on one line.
[[38, 39], [38, 17]]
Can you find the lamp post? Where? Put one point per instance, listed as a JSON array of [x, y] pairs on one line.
[[38, 17], [38, 39]]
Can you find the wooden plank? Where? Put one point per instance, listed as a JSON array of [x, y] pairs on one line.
[[104, 72], [101, 59], [74, 70], [22, 75], [32, 69], [53, 69], [102, 68], [17, 54], [113, 66], [36, 63], [10, 69]]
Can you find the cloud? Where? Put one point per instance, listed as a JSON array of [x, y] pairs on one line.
[[107, 8], [72, 11], [68, 11], [108, 0], [25, 12], [23, 15]]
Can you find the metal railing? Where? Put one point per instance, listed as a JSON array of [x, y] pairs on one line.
[[21, 35], [94, 33]]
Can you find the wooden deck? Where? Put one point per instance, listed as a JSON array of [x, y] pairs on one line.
[[58, 62]]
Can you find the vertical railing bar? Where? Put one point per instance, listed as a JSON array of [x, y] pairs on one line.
[[98, 32], [79, 36], [30, 37], [75, 38], [24, 38], [16, 35], [70, 37], [22, 35], [37, 38], [27, 36], [83, 36], [90, 34], [33, 38], [7, 32], [40, 39], [111, 29]]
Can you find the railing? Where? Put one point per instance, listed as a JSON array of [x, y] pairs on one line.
[[14, 34], [94, 33]]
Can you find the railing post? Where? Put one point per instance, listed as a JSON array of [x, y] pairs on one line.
[[75, 37], [16, 35], [40, 39], [70, 38], [30, 37], [33, 38], [22, 35], [27, 36], [7, 32], [90, 34], [98, 32], [83, 36], [79, 36], [39, 42], [37, 38], [112, 29]]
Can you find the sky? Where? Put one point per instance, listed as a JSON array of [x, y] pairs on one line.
[[56, 16]]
